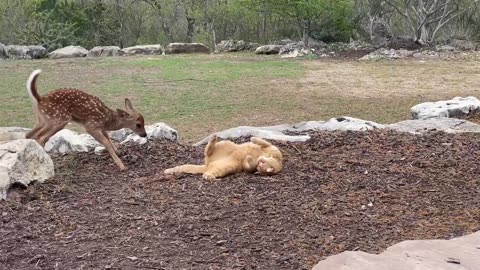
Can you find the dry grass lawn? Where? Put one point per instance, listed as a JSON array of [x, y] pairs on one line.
[[200, 94]]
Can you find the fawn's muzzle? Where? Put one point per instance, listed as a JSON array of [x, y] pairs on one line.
[[144, 134]]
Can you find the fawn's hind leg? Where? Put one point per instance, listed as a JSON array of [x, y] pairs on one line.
[[49, 131], [39, 125]]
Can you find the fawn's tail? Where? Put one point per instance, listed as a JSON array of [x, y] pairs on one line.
[[32, 87]]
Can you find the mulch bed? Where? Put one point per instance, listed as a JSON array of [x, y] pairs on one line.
[[338, 192]]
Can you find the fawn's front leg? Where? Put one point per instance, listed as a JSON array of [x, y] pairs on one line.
[[114, 147], [98, 135]]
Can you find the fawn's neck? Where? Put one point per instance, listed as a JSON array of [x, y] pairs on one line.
[[114, 121]]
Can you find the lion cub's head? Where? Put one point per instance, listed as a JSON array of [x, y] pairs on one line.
[[268, 165]]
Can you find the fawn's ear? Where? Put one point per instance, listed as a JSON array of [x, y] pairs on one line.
[[128, 105], [122, 113]]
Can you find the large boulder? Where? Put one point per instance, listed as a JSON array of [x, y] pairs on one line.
[[26, 52], [236, 46], [68, 52], [3, 51], [12, 133], [104, 51], [281, 132], [143, 49], [458, 107], [22, 162], [461, 253], [174, 48], [268, 49]]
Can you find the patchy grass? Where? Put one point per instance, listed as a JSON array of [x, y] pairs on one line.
[[200, 94]]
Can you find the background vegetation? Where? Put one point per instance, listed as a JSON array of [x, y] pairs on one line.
[[58, 23]]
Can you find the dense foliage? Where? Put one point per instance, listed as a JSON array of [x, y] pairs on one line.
[[56, 23]]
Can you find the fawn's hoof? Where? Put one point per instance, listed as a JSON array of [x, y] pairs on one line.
[[208, 176]]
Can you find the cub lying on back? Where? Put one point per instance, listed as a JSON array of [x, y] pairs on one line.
[[225, 157]]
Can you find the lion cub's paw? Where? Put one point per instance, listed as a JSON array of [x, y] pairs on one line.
[[208, 176], [169, 171]]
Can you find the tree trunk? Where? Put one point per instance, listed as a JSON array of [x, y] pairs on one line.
[[190, 29], [167, 31]]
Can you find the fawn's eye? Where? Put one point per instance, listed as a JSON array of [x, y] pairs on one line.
[[139, 126]]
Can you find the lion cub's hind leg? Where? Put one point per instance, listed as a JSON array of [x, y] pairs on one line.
[[221, 168], [210, 148], [190, 169]]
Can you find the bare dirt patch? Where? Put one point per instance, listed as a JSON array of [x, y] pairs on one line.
[[339, 191]]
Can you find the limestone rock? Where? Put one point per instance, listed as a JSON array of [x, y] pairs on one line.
[[26, 52], [12, 133], [174, 48], [235, 46], [461, 253], [143, 49], [23, 161], [68, 52], [99, 51], [448, 125], [456, 107], [268, 49], [278, 132], [3, 51], [66, 141], [155, 131]]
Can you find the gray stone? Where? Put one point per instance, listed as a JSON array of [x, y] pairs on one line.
[[235, 46], [175, 48], [461, 253], [23, 161], [278, 132], [26, 52], [143, 49], [268, 49], [448, 125], [100, 51], [384, 53], [155, 131], [68, 52], [465, 45], [66, 141], [456, 107], [293, 50], [3, 51], [12, 133]]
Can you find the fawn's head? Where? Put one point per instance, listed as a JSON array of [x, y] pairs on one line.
[[132, 119]]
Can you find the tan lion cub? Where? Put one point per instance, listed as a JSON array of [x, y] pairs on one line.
[[225, 158]]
